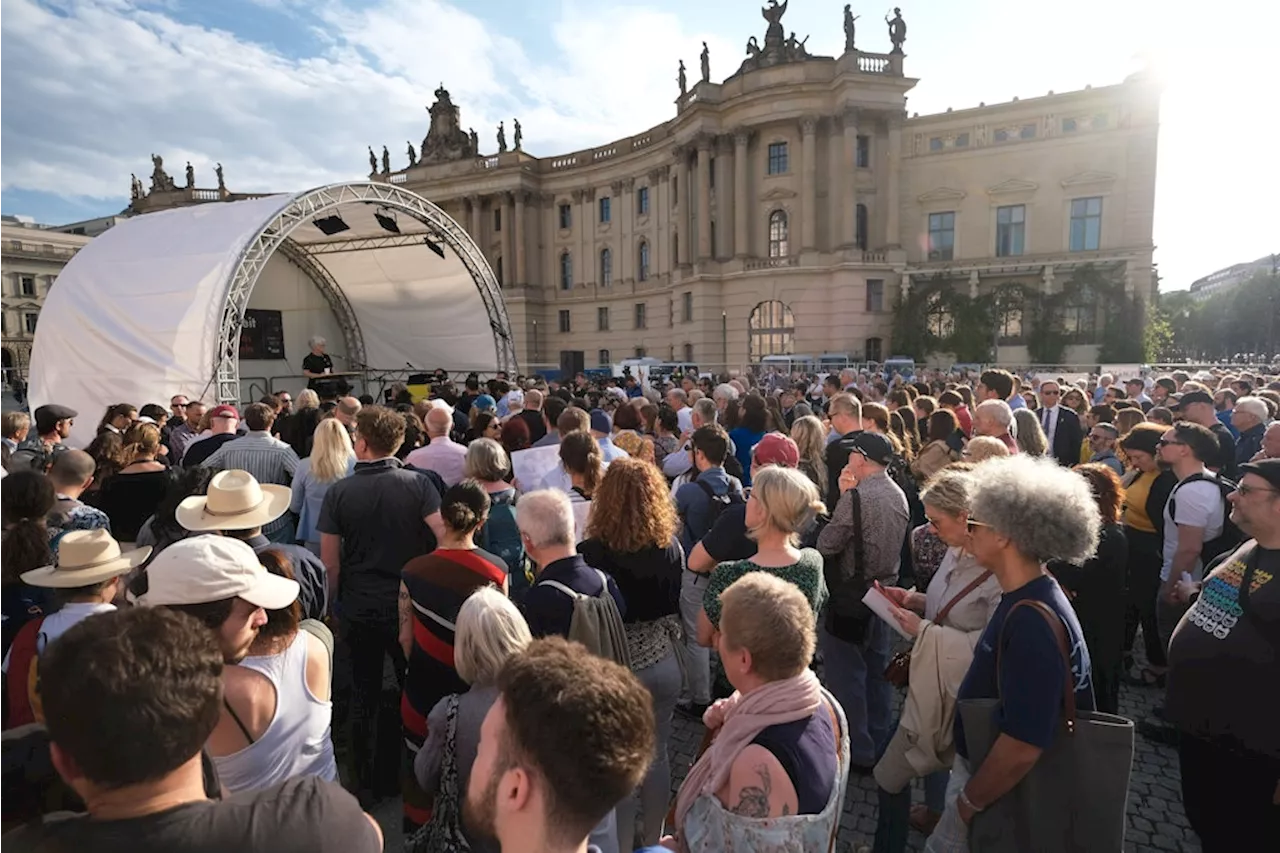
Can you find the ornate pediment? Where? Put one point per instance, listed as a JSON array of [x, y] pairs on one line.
[[777, 194], [1013, 185], [940, 194], [1089, 178]]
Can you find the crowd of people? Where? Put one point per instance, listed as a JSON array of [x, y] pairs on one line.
[[201, 609]]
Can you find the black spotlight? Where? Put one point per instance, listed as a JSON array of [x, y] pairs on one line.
[[434, 246], [387, 219], [330, 225]]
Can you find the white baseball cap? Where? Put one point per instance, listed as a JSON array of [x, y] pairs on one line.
[[204, 569]]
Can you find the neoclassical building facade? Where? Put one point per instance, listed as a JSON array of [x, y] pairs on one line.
[[30, 259]]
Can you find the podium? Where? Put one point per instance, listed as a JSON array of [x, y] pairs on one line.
[[332, 384]]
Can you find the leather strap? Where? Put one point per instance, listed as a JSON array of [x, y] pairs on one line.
[[1059, 630], [973, 584]]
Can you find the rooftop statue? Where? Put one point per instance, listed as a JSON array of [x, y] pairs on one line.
[[682, 80], [502, 139], [897, 30], [445, 139], [777, 48], [706, 63], [849, 27]]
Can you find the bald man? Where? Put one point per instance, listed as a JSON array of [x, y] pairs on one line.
[[443, 455], [346, 411], [531, 414]]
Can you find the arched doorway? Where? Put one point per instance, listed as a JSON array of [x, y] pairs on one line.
[[8, 364], [771, 330]]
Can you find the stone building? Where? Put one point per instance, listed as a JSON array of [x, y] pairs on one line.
[[30, 259], [789, 207]]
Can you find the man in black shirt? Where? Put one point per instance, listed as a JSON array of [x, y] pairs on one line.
[[317, 365], [1197, 407], [130, 697]]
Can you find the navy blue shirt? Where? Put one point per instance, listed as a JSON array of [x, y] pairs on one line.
[[1030, 666], [549, 611]]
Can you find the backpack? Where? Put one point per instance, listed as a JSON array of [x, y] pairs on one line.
[[596, 623], [1231, 536], [501, 537], [22, 680], [716, 504]]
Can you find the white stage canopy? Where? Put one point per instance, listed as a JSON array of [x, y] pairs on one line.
[[154, 306]]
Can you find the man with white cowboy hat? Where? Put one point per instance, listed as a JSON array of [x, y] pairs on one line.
[[237, 505], [86, 579]]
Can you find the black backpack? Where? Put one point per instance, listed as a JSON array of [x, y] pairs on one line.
[[1231, 536], [717, 503]]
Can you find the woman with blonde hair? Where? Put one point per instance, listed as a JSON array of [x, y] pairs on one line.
[[808, 434], [632, 537], [984, 447], [131, 496], [331, 459], [490, 631], [295, 429], [1030, 435]]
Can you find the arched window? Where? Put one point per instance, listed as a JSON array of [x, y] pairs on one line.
[[778, 234], [860, 230], [566, 271], [772, 330], [1010, 317], [642, 265], [940, 321], [1080, 315], [606, 267]]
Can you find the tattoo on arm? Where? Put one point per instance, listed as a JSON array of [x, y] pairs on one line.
[[753, 801]]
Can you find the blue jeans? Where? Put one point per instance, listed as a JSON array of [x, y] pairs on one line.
[[854, 673]]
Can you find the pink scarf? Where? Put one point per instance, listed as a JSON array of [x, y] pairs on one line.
[[745, 717]]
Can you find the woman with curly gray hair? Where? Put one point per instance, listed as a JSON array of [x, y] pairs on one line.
[[1023, 512]]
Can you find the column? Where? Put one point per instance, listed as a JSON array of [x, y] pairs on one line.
[[617, 213], [657, 234], [704, 197], [517, 231], [590, 262], [579, 225], [680, 191], [894, 213], [808, 183], [474, 227], [741, 206], [849, 179], [508, 244], [548, 255]]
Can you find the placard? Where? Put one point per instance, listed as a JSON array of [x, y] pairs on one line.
[[261, 335]]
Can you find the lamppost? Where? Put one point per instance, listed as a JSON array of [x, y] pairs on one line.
[[535, 341], [724, 338]]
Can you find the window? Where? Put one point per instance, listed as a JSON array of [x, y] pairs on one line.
[[935, 143], [604, 209], [641, 319], [777, 158], [497, 270], [1011, 320], [566, 271], [860, 226], [862, 149], [1027, 131], [875, 295], [606, 267], [1080, 316], [1011, 226], [711, 173], [772, 330], [497, 219], [642, 201], [713, 238], [942, 235], [687, 306], [641, 352], [642, 265], [688, 353], [1100, 121], [566, 216], [603, 358], [1068, 125], [30, 320], [675, 190], [565, 325], [962, 140], [939, 321], [1086, 224], [874, 347], [778, 234], [602, 319], [28, 285], [675, 248], [1001, 135]]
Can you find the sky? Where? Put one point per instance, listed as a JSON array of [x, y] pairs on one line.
[[287, 94]]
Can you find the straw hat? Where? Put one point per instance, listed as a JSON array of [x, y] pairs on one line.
[[236, 501], [85, 558]]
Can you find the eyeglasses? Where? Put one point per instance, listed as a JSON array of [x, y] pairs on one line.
[[972, 523], [1167, 441], [1052, 392], [1248, 490]]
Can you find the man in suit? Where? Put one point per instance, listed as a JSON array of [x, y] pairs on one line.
[[1061, 425]]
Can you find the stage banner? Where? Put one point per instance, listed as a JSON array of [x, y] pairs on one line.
[[262, 335]]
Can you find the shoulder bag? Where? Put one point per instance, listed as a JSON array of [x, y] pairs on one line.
[[898, 672], [443, 833]]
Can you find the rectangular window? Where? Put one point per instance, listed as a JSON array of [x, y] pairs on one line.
[[602, 319], [675, 190], [688, 353], [641, 319], [687, 305], [566, 216], [862, 158], [1001, 135], [875, 295], [642, 201], [1068, 125], [935, 143], [1086, 224], [962, 140], [777, 158], [942, 235], [1028, 131], [497, 219], [641, 352], [1011, 227], [604, 209], [565, 325], [603, 358], [28, 285], [30, 320]]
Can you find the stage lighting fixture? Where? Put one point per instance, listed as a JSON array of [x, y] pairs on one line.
[[387, 219], [330, 225], [433, 246]]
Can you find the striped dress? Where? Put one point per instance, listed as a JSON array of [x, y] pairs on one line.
[[438, 583]]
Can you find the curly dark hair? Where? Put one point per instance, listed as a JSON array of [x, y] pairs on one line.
[[26, 497], [1106, 488]]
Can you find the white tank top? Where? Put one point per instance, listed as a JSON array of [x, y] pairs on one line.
[[297, 742]]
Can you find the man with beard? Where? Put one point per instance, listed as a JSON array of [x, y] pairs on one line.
[[570, 736]]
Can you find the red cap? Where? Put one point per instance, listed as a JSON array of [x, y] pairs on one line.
[[776, 449], [224, 411]]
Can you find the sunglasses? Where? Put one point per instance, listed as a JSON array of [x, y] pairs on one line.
[[1164, 442], [972, 523], [1050, 393]]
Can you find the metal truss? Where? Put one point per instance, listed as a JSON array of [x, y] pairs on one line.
[[274, 235], [359, 244]]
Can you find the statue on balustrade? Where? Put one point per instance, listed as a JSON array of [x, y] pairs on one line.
[[777, 49], [502, 139], [160, 180], [795, 49], [682, 80], [386, 161], [191, 176], [445, 139], [897, 30], [753, 48], [222, 185], [706, 63], [475, 141], [773, 34], [373, 162], [849, 27], [413, 156], [518, 133], [135, 187]]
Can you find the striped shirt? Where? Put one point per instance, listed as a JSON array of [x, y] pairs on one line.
[[268, 459]]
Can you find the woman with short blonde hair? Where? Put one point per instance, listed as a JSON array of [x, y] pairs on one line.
[[983, 447], [490, 630], [332, 458]]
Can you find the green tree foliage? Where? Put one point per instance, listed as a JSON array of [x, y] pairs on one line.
[[1242, 321]]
